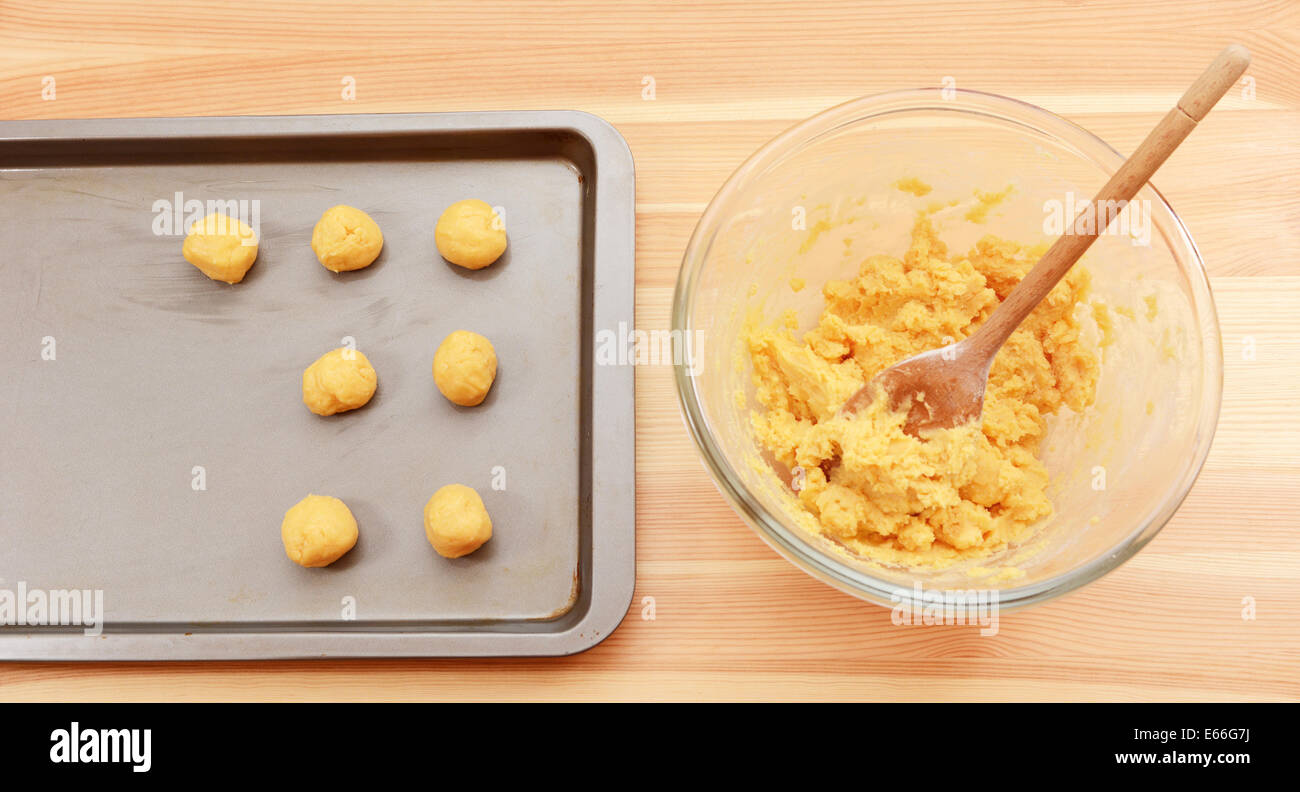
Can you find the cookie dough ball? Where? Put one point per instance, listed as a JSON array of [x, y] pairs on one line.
[[456, 521], [338, 381], [222, 247], [345, 238], [464, 367], [318, 530], [471, 235]]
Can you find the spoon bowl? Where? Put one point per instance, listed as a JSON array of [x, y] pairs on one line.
[[938, 389], [944, 388]]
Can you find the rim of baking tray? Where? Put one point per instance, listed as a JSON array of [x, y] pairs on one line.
[[787, 541]]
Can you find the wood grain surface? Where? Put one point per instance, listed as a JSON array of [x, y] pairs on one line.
[[732, 620]]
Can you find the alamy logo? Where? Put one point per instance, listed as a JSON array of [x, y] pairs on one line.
[[42, 607], [947, 606], [174, 216], [1078, 215], [92, 746], [629, 346]]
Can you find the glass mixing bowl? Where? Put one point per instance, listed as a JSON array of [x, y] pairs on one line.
[[1119, 470]]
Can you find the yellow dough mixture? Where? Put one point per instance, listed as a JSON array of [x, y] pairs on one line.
[[339, 380], [318, 530], [223, 248], [456, 522], [470, 234], [961, 493], [464, 368], [345, 239]]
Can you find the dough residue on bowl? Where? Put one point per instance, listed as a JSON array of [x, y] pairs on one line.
[[959, 494]]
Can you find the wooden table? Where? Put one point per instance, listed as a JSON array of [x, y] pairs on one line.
[[731, 619]]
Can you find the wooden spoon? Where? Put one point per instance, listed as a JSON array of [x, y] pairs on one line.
[[944, 387]]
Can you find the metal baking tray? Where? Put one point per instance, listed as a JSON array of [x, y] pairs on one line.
[[152, 424]]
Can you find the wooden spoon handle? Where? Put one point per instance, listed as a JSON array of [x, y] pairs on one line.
[[1136, 171]]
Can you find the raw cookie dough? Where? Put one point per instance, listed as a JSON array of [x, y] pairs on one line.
[[223, 248], [345, 238], [469, 234], [456, 521], [464, 367], [962, 493], [339, 380], [318, 530]]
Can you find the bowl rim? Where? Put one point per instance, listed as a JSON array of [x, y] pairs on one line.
[[787, 541]]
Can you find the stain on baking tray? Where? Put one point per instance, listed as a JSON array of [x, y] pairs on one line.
[[574, 591]]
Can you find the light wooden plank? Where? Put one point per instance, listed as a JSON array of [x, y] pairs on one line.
[[734, 621]]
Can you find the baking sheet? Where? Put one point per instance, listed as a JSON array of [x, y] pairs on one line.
[[153, 457]]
